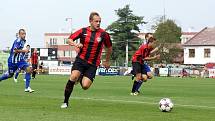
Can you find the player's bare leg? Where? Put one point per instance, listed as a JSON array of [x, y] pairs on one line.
[[86, 83]]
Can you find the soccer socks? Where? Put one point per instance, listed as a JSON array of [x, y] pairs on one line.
[[139, 83], [134, 86], [33, 74], [5, 76], [28, 78], [16, 74], [68, 90]]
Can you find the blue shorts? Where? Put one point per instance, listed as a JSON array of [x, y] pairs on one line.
[[146, 68], [12, 67]]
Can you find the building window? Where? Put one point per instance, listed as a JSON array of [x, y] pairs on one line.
[[207, 53], [54, 41], [67, 54], [50, 42], [191, 53], [65, 41]]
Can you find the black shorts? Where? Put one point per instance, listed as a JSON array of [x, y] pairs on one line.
[[86, 69], [34, 66], [137, 68]]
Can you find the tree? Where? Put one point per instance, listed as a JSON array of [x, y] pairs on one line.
[[124, 31], [168, 34]]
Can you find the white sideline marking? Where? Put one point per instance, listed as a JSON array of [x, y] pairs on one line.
[[141, 102]]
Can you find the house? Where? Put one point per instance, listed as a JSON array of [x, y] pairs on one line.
[[185, 36], [65, 53], [200, 49]]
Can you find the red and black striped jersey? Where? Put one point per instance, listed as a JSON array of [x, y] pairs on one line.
[[141, 53], [34, 58], [93, 43]]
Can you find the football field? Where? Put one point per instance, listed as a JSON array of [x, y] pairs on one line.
[[108, 99]]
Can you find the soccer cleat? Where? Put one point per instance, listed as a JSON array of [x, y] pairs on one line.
[[29, 90], [26, 90], [15, 80], [132, 78], [64, 105], [132, 93], [136, 93]]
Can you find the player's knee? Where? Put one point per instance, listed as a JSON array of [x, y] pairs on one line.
[[86, 83], [144, 76], [28, 70], [74, 77], [149, 75], [85, 86], [138, 77]]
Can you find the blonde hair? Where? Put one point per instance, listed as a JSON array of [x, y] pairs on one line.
[[93, 14]]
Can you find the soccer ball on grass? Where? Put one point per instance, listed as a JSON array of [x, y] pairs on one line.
[[166, 105]]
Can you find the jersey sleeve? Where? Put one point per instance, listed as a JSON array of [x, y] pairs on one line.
[[142, 51], [16, 44], [107, 40], [76, 35]]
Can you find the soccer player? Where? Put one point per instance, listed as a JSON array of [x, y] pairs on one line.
[[92, 41], [16, 60], [27, 59], [34, 62], [139, 68], [145, 66]]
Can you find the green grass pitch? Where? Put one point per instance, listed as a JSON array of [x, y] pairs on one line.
[[108, 99]]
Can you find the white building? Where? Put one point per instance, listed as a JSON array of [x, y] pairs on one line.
[[200, 49], [66, 53], [185, 36]]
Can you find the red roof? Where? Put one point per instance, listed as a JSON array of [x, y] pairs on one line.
[[206, 37]]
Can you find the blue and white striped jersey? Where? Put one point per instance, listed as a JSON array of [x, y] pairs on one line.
[[17, 57]]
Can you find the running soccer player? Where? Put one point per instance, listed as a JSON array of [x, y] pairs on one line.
[[139, 68], [92, 41], [16, 60], [145, 66], [27, 59]]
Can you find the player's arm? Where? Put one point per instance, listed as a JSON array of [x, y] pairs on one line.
[[106, 62], [20, 51], [154, 50], [72, 43], [108, 45], [152, 58], [73, 37]]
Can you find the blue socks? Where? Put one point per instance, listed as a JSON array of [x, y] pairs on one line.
[[16, 74], [28, 78], [139, 83], [5, 76]]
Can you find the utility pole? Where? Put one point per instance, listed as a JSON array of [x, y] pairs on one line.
[[164, 11], [70, 21], [126, 60]]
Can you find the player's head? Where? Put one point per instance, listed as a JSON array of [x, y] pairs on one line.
[[22, 34], [148, 35], [28, 47], [35, 50], [151, 42], [95, 20]]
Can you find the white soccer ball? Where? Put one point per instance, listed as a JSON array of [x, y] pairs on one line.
[[165, 105]]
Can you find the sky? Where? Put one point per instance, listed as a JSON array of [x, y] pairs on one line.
[[45, 16]]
